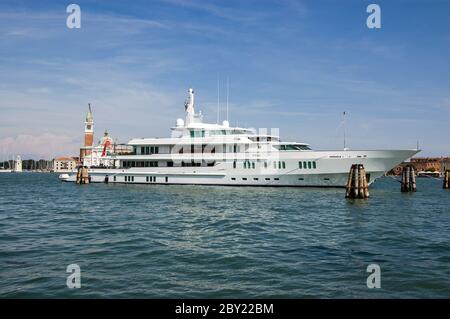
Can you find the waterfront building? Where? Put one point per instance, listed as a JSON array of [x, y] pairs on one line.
[[100, 155], [426, 164], [436, 165], [64, 164]]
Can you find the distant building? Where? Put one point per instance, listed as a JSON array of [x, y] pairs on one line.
[[445, 165], [424, 164], [18, 164], [100, 155], [64, 164], [397, 170], [88, 134]]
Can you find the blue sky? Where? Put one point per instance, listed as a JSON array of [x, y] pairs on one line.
[[293, 64]]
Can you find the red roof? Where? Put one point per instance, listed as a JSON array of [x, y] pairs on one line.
[[63, 158]]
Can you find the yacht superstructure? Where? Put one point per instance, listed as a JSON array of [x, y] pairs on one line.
[[218, 154]]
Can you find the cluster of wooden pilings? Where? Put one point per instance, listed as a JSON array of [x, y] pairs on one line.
[[357, 185], [82, 175], [446, 179], [408, 179]]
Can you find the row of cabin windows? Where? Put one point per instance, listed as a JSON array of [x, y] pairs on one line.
[[192, 148], [248, 164], [147, 178], [281, 165], [307, 165], [204, 148], [127, 164], [197, 149], [201, 133], [276, 164], [147, 150]]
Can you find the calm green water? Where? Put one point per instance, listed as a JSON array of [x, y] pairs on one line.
[[213, 242]]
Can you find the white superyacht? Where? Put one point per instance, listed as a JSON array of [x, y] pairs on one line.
[[199, 153]]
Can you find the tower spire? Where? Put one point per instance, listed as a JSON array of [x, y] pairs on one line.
[[89, 117]]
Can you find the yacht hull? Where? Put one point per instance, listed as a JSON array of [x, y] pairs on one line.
[[331, 170]]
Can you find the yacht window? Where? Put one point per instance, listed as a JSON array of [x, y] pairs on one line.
[[156, 149], [276, 178], [234, 164], [253, 165], [255, 179], [265, 164], [267, 179], [244, 179], [299, 164], [305, 165], [279, 165], [293, 147], [314, 165], [233, 178], [284, 165], [309, 165], [198, 133]]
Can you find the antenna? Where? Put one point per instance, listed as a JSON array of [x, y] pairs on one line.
[[218, 98], [228, 93], [343, 123]]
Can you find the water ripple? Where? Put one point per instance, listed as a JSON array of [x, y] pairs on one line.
[[218, 242]]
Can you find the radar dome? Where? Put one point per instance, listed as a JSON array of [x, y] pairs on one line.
[[226, 123], [180, 122]]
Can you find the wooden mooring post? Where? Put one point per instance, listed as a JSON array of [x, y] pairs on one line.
[[447, 179], [408, 179], [82, 175], [357, 185]]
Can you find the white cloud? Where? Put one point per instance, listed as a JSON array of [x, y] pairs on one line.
[[44, 146]]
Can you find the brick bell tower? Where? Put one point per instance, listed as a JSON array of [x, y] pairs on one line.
[[88, 134]]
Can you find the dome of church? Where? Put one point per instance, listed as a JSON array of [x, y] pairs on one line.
[[106, 138]]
